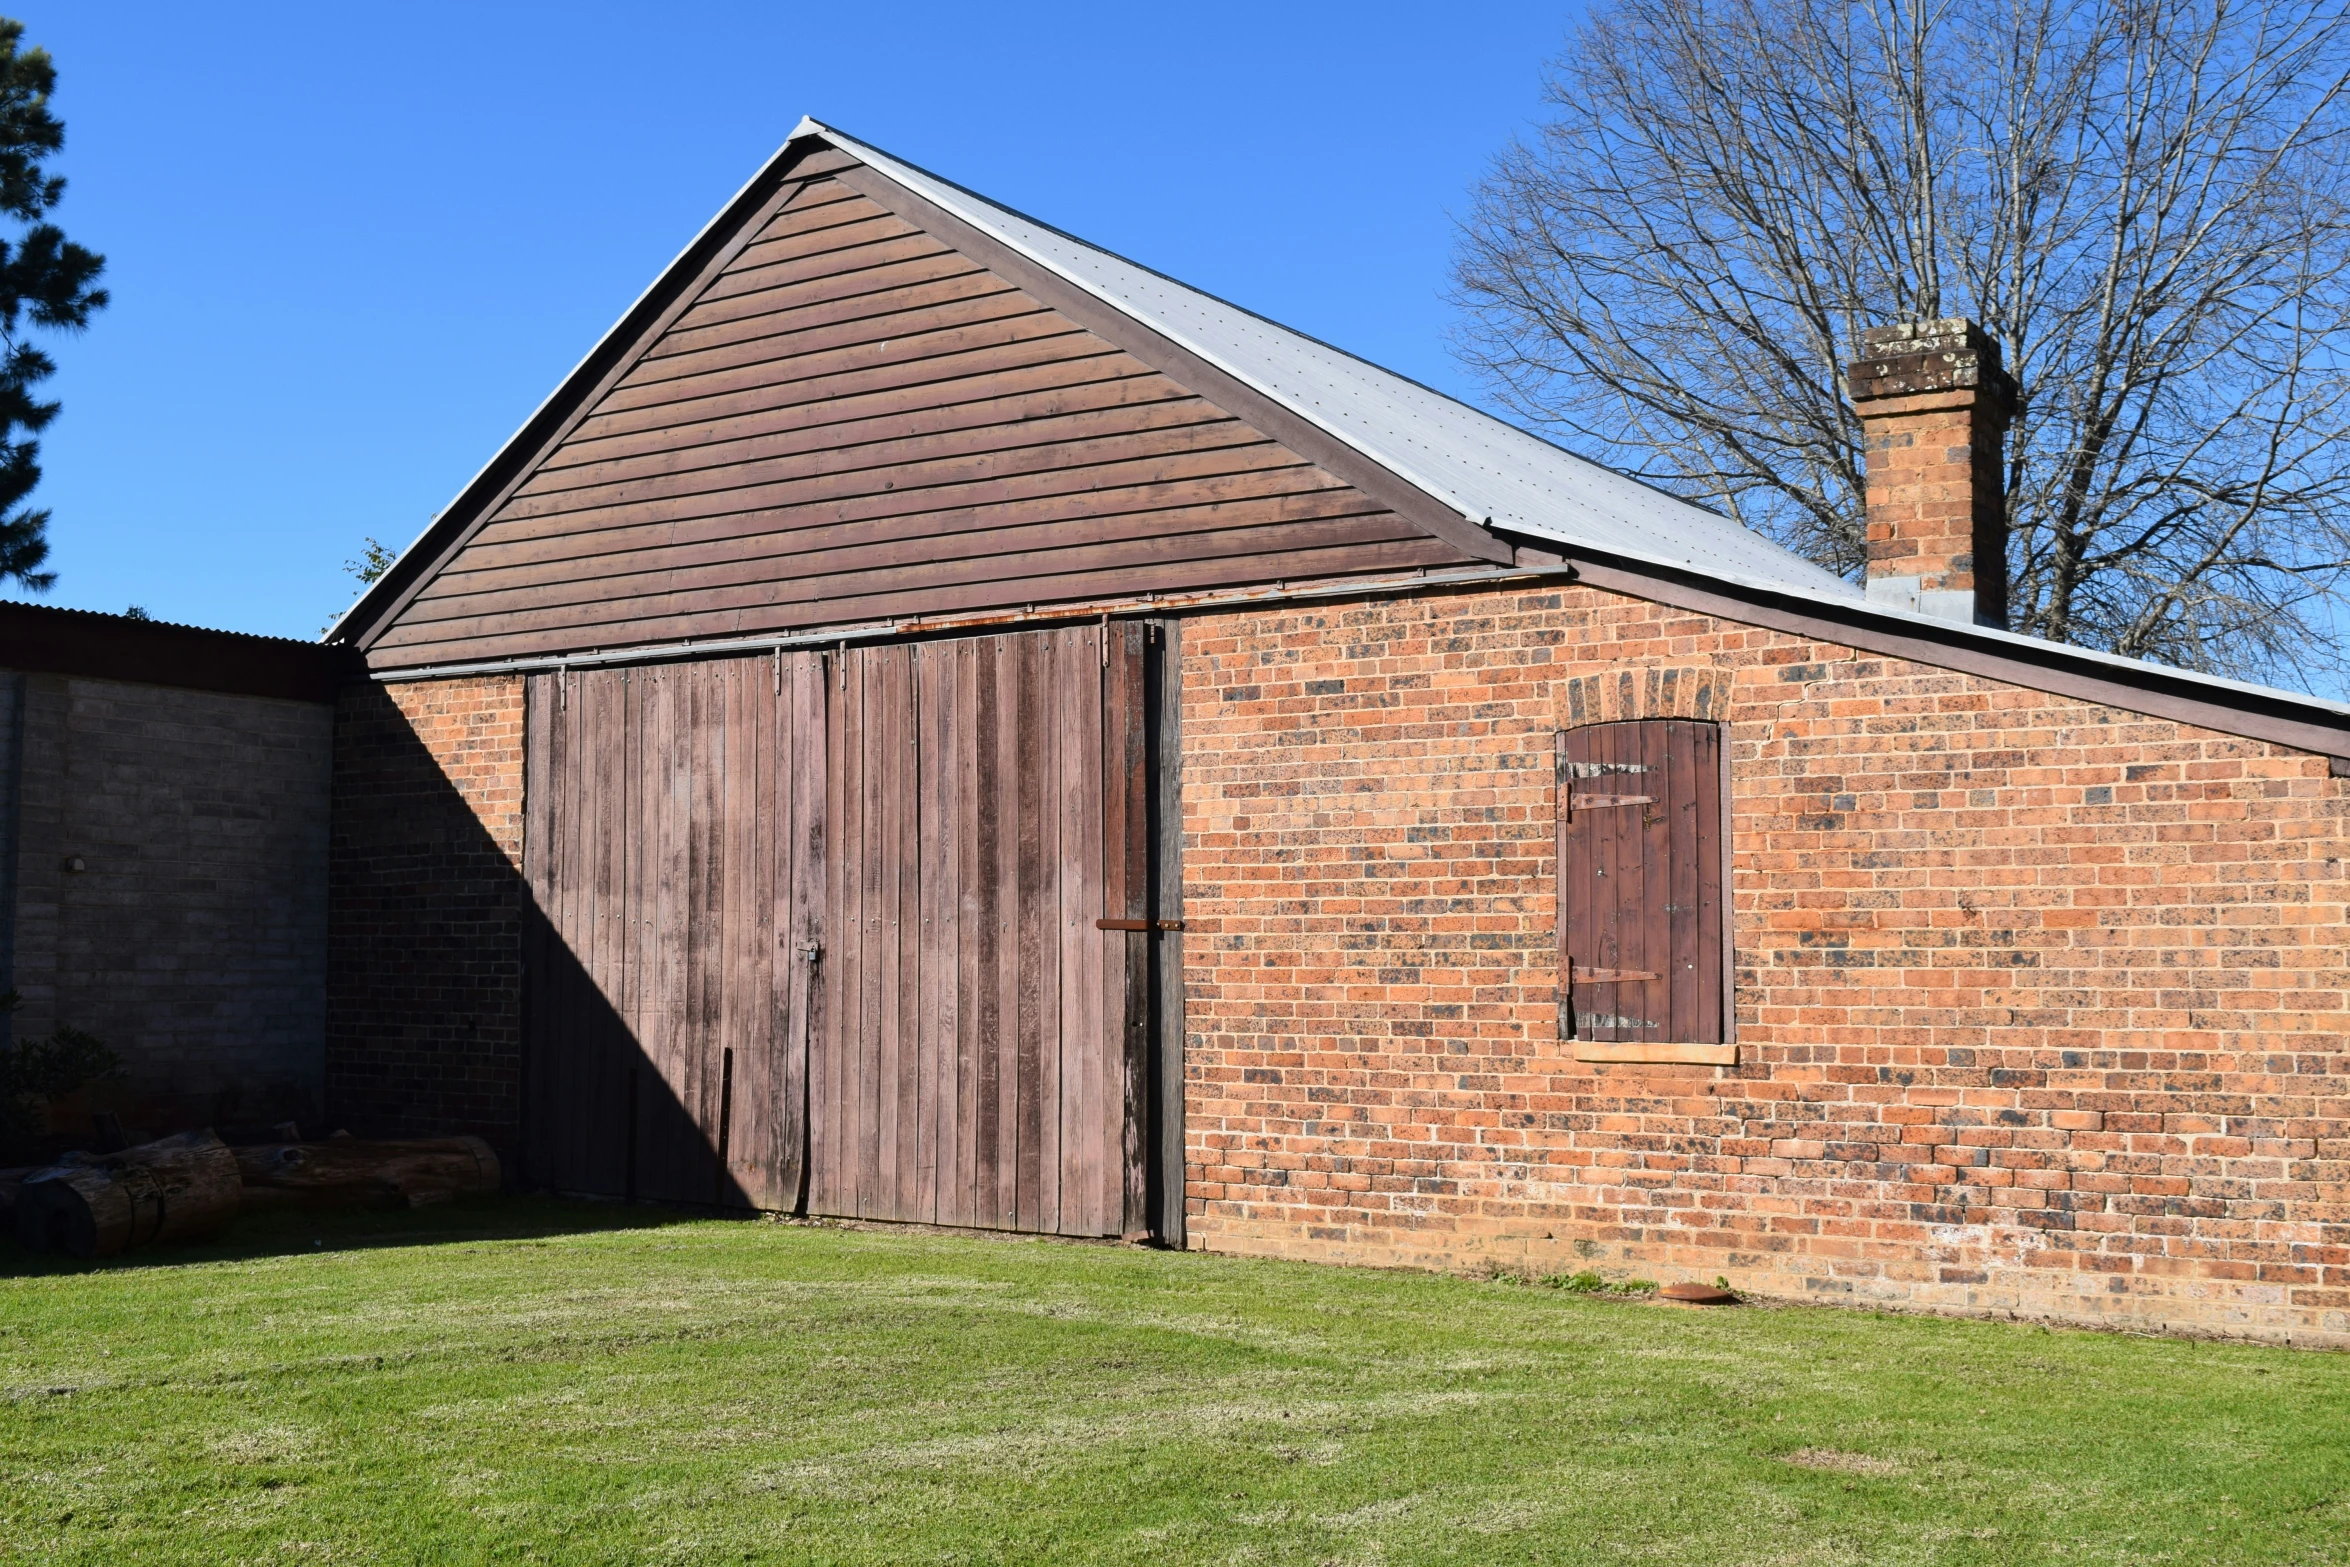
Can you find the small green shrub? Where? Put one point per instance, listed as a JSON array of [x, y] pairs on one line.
[[1584, 1283], [33, 1072]]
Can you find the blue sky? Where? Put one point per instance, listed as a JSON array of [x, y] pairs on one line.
[[352, 246]]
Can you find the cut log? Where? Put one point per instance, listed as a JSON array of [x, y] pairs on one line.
[[174, 1189], [356, 1172]]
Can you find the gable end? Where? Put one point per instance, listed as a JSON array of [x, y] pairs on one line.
[[851, 407]]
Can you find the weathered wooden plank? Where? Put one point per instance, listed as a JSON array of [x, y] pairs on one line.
[[972, 907], [846, 229], [933, 382], [1048, 993], [877, 874], [1713, 860], [1113, 457], [901, 1084], [934, 1072], [821, 265], [876, 335], [452, 642], [1069, 386], [899, 328], [1204, 554], [817, 161], [817, 204], [630, 894], [1166, 740], [1127, 982], [915, 304], [740, 925], [829, 1043], [1244, 499], [1085, 1090], [597, 1138], [807, 688], [786, 359], [1123, 545], [1681, 984], [782, 411], [931, 267], [673, 1122], [1569, 901], [879, 564], [1067, 436]]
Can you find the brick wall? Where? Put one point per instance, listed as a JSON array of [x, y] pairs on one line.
[[2040, 1004], [424, 1019], [191, 938]]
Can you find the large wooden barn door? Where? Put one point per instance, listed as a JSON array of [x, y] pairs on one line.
[[983, 1055], [673, 850]]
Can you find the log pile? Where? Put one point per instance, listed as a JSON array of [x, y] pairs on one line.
[[345, 1172], [180, 1188], [186, 1187]]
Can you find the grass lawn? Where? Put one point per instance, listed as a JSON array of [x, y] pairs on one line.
[[518, 1380]]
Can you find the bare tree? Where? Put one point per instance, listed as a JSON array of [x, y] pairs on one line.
[[2141, 200]]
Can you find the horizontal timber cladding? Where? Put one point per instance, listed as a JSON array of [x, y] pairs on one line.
[[852, 421], [673, 850], [983, 1059], [1640, 882]]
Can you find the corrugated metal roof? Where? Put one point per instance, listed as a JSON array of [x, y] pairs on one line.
[[1490, 471]]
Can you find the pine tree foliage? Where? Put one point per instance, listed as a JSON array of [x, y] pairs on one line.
[[46, 281]]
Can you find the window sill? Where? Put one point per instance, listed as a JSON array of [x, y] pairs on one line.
[[1695, 1055]]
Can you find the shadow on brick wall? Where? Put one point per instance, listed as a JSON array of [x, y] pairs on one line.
[[430, 926]]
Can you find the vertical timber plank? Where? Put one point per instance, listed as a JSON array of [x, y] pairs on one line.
[[1004, 806], [1128, 979], [1168, 947], [1680, 802]]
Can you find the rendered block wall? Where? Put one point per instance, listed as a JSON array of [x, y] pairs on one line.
[[2040, 1004], [192, 937]]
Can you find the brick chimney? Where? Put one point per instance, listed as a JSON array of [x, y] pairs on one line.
[[1935, 402]]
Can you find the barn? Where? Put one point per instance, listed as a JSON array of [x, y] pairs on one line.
[[933, 721]]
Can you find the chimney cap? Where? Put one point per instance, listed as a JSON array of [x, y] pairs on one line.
[[1948, 354]]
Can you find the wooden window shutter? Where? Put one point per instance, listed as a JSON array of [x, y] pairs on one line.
[[1641, 955]]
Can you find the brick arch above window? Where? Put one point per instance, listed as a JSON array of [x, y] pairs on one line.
[[1698, 691]]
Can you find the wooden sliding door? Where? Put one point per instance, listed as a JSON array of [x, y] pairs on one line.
[[673, 852], [983, 1057], [862, 933]]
